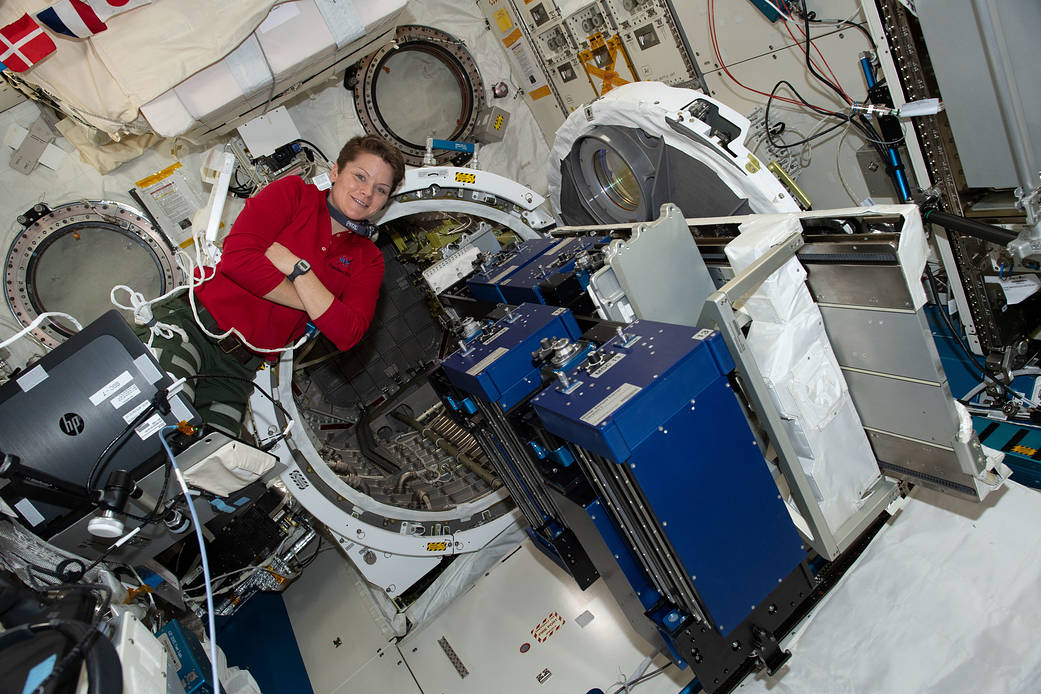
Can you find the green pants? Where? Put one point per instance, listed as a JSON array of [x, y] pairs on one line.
[[217, 384]]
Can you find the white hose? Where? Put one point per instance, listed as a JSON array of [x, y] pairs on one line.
[[32, 326]]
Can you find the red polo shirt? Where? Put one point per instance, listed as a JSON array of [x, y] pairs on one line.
[[294, 214]]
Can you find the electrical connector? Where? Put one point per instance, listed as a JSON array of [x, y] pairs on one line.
[[922, 107], [186, 428]]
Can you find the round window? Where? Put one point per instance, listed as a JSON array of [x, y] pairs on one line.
[[422, 84], [616, 179], [419, 94], [69, 258]]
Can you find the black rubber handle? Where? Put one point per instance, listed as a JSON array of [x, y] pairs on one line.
[[987, 232]]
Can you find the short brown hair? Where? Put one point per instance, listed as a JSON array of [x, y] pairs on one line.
[[373, 144]]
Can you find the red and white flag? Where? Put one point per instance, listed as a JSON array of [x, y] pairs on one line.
[[110, 8], [23, 43], [73, 18]]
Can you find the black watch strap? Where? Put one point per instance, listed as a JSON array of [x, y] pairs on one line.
[[302, 267]]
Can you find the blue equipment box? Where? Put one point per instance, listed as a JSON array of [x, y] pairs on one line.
[[523, 285], [189, 657], [497, 365], [658, 404], [484, 286]]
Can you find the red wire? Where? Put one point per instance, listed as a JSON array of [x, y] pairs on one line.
[[809, 42], [719, 59]]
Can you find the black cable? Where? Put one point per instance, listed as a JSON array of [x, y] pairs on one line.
[[76, 653], [316, 149], [114, 446], [809, 63], [769, 131], [957, 337], [872, 135], [307, 562], [812, 17]]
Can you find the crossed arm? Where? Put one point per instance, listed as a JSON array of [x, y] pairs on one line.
[[307, 293]]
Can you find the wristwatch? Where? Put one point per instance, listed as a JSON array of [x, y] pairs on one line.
[[302, 267]]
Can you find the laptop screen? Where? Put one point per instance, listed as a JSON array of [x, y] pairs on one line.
[[58, 417]]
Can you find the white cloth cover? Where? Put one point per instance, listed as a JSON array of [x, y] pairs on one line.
[[943, 601], [645, 105], [790, 347], [144, 52], [229, 469]]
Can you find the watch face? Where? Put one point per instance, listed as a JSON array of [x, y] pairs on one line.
[[301, 267]]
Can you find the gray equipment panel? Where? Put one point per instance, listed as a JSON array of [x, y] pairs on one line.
[[663, 248], [973, 94]]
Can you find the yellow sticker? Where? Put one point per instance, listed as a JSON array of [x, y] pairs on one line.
[[437, 546], [498, 122], [158, 176], [537, 94], [461, 177], [502, 18], [512, 38]]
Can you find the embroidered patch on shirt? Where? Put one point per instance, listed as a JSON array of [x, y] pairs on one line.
[[340, 264]]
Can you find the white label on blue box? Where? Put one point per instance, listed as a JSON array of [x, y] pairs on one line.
[[606, 407], [607, 365], [559, 246], [493, 336], [486, 362], [502, 274]]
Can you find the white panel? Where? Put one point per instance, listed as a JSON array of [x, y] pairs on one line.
[[743, 31], [917, 612], [820, 179], [488, 626], [326, 604], [526, 69]]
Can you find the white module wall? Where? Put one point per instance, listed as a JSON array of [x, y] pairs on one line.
[[759, 53]]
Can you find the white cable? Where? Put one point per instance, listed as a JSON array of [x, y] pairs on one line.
[[202, 554], [253, 567], [32, 326], [838, 166], [233, 331], [143, 312]]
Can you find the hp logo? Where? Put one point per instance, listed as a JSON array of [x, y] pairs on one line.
[[71, 424]]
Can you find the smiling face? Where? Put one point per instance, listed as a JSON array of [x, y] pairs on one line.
[[361, 188]]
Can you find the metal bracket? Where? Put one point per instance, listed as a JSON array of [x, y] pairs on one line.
[[768, 653]]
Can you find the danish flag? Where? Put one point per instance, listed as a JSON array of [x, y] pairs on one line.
[[23, 43], [110, 8], [73, 18]]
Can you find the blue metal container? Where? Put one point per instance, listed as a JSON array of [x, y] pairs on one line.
[[497, 366], [659, 403]]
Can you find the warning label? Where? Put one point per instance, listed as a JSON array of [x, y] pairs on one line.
[[547, 627]]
